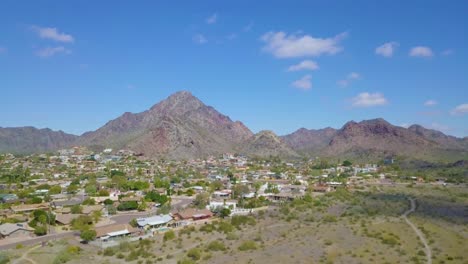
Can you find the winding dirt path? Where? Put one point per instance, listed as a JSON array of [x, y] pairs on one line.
[[418, 232], [25, 256]]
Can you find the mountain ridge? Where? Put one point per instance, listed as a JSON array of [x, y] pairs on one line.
[[183, 127]]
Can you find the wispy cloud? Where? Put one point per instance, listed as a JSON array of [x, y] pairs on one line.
[[447, 52], [212, 19], [52, 34], [369, 100], [387, 49], [349, 79], [304, 65], [231, 36], [431, 103], [51, 51], [421, 51], [282, 45], [305, 83], [440, 127], [248, 27], [460, 110], [199, 39]]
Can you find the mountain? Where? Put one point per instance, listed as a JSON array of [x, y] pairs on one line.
[[439, 137], [266, 143], [183, 127], [309, 141], [375, 139], [22, 140], [179, 127]]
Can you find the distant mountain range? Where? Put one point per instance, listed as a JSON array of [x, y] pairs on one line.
[[183, 127]]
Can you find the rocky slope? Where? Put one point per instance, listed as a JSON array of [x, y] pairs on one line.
[[183, 127], [266, 143], [22, 140], [309, 142], [179, 127]]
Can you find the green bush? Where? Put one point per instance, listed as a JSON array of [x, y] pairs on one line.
[[216, 246], [108, 252], [169, 235], [248, 245], [194, 254]]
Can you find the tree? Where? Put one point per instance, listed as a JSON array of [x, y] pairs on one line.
[[91, 189], [111, 209], [127, 206], [347, 163], [142, 206], [88, 235], [103, 192], [40, 230], [56, 189], [108, 202], [225, 212], [133, 222], [82, 222], [96, 216], [201, 200], [76, 209], [89, 201], [240, 190], [156, 197]]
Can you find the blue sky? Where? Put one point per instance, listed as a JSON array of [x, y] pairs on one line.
[[278, 66]]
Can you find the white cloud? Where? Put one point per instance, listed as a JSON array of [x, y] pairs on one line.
[[369, 100], [460, 110], [304, 65], [53, 34], [305, 83], [51, 51], [430, 103], [349, 78], [212, 19], [387, 49], [421, 51], [282, 45], [199, 39]]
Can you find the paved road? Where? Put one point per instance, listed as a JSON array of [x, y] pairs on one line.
[[418, 232], [38, 240], [116, 219]]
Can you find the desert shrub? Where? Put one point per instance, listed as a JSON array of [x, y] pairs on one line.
[[133, 255], [216, 246], [62, 257], [225, 227], [232, 236], [329, 219], [240, 220], [248, 245], [207, 228], [194, 254], [186, 261], [187, 230], [124, 246], [169, 235], [108, 252], [120, 256]]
